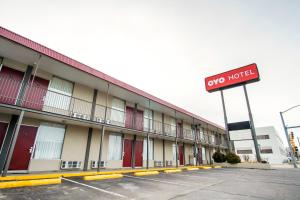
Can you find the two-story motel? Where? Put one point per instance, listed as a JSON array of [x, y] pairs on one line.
[[59, 114]]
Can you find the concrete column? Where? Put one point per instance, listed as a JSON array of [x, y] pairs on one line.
[[100, 149], [164, 153], [88, 148], [24, 84], [133, 152]]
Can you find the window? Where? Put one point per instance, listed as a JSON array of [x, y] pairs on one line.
[[263, 137], [267, 150], [174, 151], [114, 147], [148, 120], [118, 111], [247, 151], [173, 126], [150, 149], [49, 141], [213, 139], [59, 94], [203, 154]]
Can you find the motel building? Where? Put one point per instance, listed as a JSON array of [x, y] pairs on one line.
[[57, 114]]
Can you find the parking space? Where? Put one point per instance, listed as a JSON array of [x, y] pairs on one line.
[[201, 184]]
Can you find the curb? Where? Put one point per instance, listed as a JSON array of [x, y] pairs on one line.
[[172, 171], [146, 173], [192, 169], [14, 184], [102, 177]]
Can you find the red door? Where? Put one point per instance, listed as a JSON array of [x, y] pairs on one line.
[[199, 156], [23, 148], [139, 119], [129, 117], [181, 156], [10, 82], [35, 93], [127, 155], [3, 128], [138, 153]]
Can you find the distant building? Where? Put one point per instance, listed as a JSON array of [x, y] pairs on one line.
[[270, 145]]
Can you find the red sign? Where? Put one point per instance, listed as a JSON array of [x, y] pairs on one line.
[[232, 78]]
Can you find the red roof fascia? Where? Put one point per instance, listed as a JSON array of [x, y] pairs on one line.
[[73, 63]]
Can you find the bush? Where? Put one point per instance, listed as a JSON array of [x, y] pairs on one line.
[[219, 157], [232, 158]]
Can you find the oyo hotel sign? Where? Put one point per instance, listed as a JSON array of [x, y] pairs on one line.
[[235, 77]]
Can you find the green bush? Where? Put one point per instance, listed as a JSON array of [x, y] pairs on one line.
[[232, 158], [219, 157]]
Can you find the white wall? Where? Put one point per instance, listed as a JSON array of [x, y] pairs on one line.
[[275, 142]]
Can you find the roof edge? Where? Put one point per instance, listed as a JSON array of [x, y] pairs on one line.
[[21, 40]]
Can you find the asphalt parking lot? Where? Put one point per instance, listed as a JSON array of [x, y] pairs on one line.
[[202, 184]]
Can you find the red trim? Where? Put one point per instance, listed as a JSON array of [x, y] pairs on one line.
[[73, 63]]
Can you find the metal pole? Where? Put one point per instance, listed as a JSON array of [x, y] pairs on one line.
[[288, 141], [226, 122], [176, 142], [252, 126], [103, 129], [149, 128], [13, 143], [298, 141], [147, 150], [100, 149]]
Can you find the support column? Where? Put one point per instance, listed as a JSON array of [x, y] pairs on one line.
[[226, 123], [147, 150], [163, 123], [88, 148], [100, 149], [253, 132], [133, 152], [90, 132], [13, 143], [25, 82], [164, 154], [103, 129]]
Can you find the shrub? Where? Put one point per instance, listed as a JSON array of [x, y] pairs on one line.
[[232, 158], [219, 157]]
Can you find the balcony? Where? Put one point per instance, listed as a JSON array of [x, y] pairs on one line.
[[44, 100]]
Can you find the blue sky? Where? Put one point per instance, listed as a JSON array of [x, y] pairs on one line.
[[167, 48]]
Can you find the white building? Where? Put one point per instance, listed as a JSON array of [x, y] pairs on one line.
[[270, 145]]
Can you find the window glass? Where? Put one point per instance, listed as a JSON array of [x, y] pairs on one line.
[[59, 94], [203, 154], [148, 120], [245, 151], [118, 110], [150, 149], [114, 147], [174, 151], [49, 141]]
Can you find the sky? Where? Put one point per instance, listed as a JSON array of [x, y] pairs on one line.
[[167, 48]]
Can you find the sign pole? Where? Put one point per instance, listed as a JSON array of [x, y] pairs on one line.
[[226, 122], [252, 125], [288, 141]]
